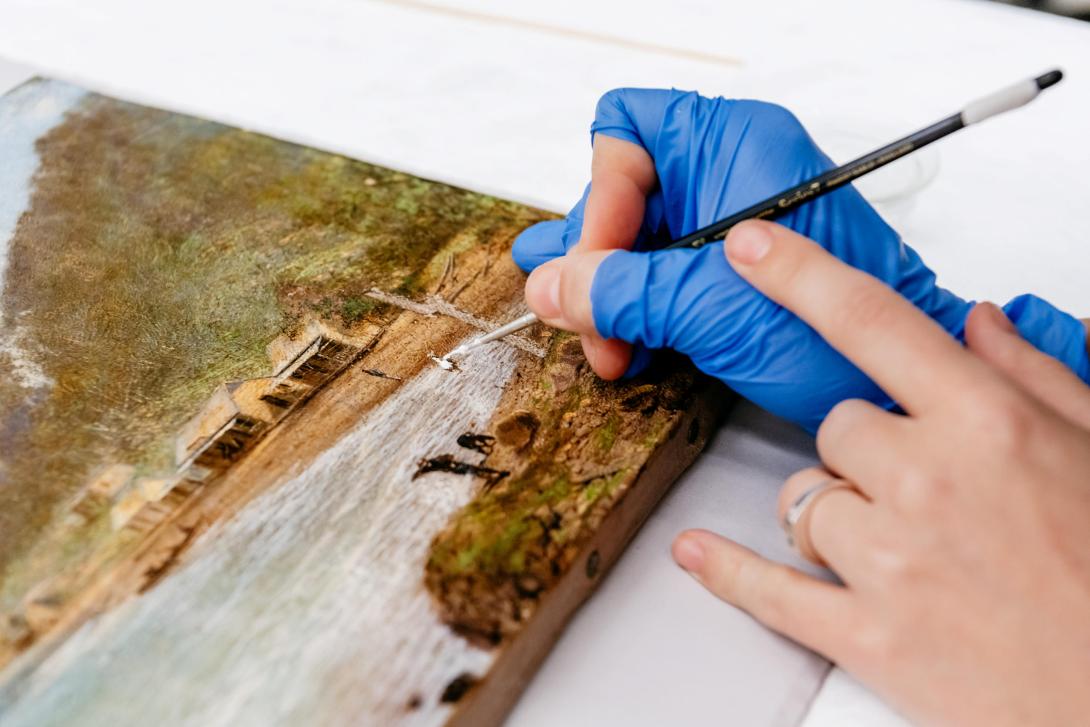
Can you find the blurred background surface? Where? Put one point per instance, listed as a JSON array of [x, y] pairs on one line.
[[1074, 8]]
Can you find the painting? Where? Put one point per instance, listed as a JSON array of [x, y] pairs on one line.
[[234, 488]]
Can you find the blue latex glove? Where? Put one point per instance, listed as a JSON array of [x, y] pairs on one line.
[[714, 157]]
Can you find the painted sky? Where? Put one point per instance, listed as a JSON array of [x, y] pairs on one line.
[[26, 113]]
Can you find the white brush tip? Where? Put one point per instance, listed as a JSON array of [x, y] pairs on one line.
[[442, 363]]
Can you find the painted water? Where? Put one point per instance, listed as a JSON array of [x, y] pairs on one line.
[[290, 612]]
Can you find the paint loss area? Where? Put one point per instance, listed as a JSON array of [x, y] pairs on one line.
[[570, 447], [159, 257]]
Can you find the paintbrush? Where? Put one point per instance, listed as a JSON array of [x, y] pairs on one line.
[[1011, 97]]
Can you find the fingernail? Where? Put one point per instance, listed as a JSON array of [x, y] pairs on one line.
[[1000, 318], [748, 243], [543, 291], [689, 554]]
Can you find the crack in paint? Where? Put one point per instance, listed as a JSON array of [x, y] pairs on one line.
[[434, 305]]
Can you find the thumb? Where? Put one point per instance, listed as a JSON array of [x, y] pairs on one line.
[[558, 293], [649, 298], [694, 302], [687, 300]]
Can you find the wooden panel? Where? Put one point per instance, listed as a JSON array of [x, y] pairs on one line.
[[315, 523]]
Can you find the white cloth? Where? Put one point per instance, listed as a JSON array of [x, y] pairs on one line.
[[504, 107]]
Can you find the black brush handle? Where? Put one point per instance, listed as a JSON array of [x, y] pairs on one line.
[[1005, 99], [783, 203]]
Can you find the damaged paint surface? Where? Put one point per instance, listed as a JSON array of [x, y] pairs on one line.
[[149, 258], [239, 477], [570, 445]]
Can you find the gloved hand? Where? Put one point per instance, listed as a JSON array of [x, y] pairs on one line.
[[669, 162]]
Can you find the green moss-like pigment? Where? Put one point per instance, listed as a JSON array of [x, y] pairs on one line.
[[608, 433], [507, 529], [159, 257], [517, 538]]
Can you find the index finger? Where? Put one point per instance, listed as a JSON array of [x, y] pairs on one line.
[[622, 175], [898, 346]]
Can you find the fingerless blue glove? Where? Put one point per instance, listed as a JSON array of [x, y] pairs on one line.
[[714, 157]]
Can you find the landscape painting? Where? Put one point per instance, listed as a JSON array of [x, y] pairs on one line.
[[234, 488]]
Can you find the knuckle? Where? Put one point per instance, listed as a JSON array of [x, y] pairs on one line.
[[874, 643], [766, 595], [865, 305], [611, 103], [727, 580], [916, 492], [572, 292], [1028, 361], [839, 425], [892, 562], [730, 579], [1004, 420], [791, 269], [1009, 355], [612, 97], [782, 134], [776, 116]]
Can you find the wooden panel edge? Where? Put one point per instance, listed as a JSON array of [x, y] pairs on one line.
[[491, 700]]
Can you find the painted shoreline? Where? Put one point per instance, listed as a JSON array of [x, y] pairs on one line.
[[160, 256], [355, 564], [292, 588], [334, 541]]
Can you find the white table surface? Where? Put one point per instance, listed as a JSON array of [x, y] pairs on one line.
[[498, 96]]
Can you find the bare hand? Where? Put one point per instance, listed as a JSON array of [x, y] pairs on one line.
[[963, 542]]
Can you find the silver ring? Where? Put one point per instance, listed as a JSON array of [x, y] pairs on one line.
[[798, 508]]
